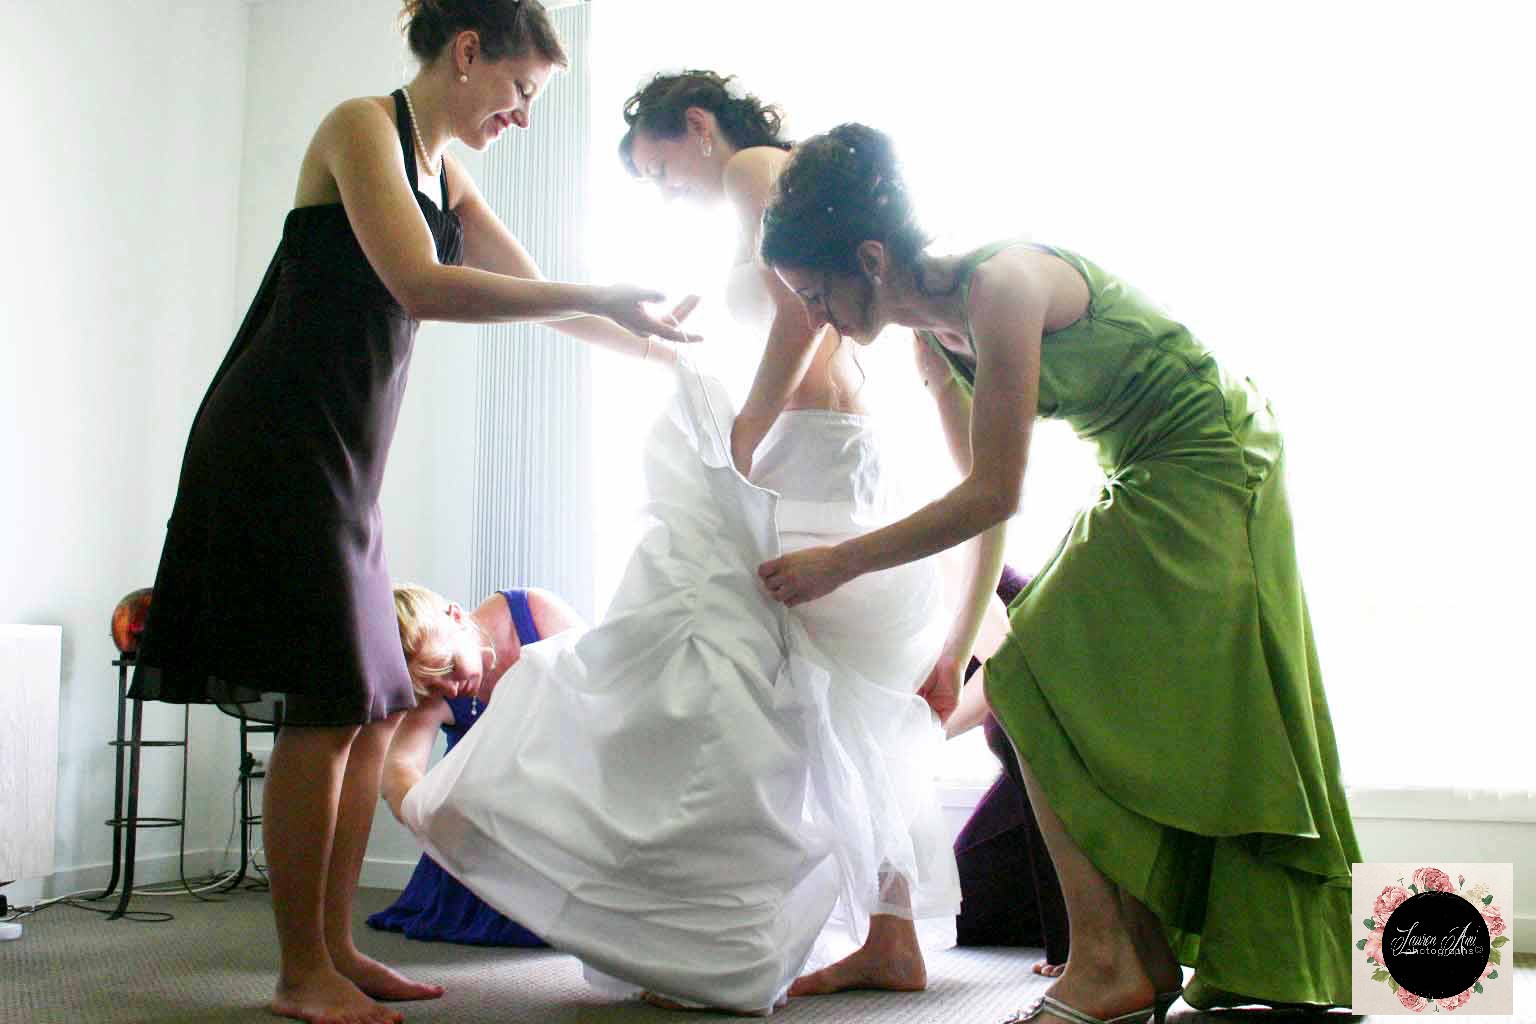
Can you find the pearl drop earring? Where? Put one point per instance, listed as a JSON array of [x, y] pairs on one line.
[[463, 77], [707, 146]]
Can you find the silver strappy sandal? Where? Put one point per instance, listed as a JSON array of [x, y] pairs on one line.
[[1050, 1004]]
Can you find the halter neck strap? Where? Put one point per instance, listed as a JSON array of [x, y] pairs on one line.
[[406, 130]]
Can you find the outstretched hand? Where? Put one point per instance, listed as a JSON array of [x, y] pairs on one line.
[[626, 306], [804, 575]]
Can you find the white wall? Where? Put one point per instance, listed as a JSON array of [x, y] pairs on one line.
[[165, 151], [116, 303]]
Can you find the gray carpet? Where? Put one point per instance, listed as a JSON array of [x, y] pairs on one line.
[[216, 963]]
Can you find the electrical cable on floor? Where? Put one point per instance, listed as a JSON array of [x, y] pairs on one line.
[[211, 882], [80, 900]]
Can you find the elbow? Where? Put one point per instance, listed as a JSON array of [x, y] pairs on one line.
[[1004, 507], [396, 784], [420, 294], [996, 504], [417, 305]]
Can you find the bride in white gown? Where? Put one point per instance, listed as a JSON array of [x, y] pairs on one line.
[[686, 794]]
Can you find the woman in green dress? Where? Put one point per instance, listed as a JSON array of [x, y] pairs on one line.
[[1159, 680]]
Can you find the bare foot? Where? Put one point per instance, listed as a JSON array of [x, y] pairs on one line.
[[329, 998], [867, 967], [1047, 968], [382, 982]]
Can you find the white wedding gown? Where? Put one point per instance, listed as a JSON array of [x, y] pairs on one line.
[[682, 795]]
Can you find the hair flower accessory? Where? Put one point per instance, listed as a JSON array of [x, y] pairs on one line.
[[647, 79], [734, 89]]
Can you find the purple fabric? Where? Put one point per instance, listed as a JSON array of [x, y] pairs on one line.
[[1009, 889]]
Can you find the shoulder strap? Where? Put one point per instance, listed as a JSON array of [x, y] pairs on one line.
[[442, 181], [522, 616], [407, 141], [968, 270], [963, 372]]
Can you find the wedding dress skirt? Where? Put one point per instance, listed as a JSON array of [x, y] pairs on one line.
[[683, 795]]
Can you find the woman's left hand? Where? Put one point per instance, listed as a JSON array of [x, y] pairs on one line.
[[626, 305], [942, 687], [805, 575]]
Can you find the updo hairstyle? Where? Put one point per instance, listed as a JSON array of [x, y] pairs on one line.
[[840, 189], [507, 28], [659, 110]]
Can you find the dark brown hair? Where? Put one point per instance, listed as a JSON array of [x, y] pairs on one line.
[[841, 188], [507, 28], [659, 109]]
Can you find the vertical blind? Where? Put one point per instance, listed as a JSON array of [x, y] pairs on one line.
[[533, 436]]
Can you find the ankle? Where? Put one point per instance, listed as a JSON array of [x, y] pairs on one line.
[[1110, 962], [344, 953], [308, 974], [891, 935]]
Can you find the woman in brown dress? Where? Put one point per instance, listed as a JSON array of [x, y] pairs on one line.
[[272, 598]]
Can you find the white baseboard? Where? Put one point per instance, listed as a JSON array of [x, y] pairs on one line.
[[386, 874], [1426, 804], [156, 870], [163, 870]]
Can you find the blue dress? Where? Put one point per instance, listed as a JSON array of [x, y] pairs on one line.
[[435, 906]]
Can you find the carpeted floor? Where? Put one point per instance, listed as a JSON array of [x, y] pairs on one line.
[[216, 963]]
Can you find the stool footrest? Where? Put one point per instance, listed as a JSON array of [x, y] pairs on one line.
[[142, 822]]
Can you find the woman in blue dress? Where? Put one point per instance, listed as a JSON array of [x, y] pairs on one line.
[[470, 652]]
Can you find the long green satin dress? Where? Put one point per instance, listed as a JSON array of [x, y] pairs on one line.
[[1160, 677]]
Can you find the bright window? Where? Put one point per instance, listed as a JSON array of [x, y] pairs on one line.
[[1330, 197]]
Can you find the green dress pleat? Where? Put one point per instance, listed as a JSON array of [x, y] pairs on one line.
[[1160, 677]]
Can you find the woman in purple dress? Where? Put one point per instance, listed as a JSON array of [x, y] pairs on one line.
[[273, 597]]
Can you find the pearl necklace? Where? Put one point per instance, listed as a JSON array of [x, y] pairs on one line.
[[416, 126]]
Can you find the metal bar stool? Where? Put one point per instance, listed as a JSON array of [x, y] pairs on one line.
[[250, 771], [125, 827]]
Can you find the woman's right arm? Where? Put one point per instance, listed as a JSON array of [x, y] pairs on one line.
[[1007, 323], [406, 761], [489, 245], [792, 340], [984, 554], [359, 147]]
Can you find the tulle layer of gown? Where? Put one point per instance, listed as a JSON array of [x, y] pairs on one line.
[[685, 794]]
